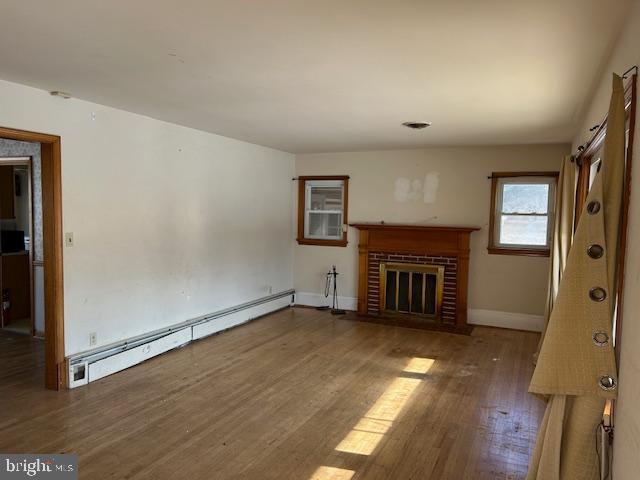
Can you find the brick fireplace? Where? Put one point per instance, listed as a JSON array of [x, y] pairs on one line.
[[439, 299]]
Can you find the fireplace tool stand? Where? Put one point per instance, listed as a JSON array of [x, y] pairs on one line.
[[332, 277]]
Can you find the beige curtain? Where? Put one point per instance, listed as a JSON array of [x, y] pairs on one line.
[[576, 364], [563, 227], [562, 233]]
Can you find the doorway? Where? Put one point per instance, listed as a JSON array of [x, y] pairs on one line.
[[21, 295], [51, 245]]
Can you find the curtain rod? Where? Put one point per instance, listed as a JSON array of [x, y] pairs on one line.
[[319, 177], [625, 75], [596, 128]]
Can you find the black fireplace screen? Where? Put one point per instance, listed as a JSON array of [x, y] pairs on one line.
[[411, 289]]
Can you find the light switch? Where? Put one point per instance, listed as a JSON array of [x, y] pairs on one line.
[[68, 239]]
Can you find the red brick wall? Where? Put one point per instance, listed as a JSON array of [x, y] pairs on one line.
[[450, 280]]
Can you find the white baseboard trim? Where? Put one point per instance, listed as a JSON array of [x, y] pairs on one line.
[[129, 358], [318, 300], [516, 321], [94, 365], [490, 318]]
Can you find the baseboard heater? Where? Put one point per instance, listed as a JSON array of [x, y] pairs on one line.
[[92, 365]]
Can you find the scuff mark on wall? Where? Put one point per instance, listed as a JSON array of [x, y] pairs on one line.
[[431, 184], [403, 191], [407, 189]]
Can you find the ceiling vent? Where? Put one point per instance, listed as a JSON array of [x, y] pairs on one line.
[[417, 125]]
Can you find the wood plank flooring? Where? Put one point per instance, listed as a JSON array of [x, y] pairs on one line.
[[300, 395]]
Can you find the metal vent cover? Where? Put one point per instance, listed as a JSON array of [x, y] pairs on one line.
[[416, 125]]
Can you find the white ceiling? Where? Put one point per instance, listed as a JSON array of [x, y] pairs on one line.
[[323, 75]]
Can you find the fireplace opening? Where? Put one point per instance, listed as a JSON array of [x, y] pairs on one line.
[[408, 288]]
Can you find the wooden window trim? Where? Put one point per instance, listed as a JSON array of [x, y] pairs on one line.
[[491, 248], [585, 157], [301, 205]]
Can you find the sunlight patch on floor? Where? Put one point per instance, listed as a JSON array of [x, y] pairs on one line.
[[332, 473], [371, 428], [361, 443], [419, 365]]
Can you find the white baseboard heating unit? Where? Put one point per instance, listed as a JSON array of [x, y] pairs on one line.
[[95, 364]]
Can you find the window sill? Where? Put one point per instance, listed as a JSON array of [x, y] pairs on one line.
[[326, 243], [525, 252]]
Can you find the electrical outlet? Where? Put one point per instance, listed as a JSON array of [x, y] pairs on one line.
[[68, 239], [93, 339]]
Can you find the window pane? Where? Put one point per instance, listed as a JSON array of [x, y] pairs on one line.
[[325, 198], [324, 225], [523, 230], [593, 171], [525, 198], [324, 216]]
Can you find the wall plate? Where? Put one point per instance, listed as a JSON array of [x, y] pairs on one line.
[[78, 374]]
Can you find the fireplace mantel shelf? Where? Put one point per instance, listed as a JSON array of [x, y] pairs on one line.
[[408, 226]]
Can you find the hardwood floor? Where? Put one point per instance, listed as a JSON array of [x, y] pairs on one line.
[[299, 394]]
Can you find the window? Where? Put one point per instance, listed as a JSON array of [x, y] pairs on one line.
[[322, 210], [522, 213]]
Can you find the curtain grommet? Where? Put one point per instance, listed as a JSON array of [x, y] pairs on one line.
[[595, 251], [593, 207], [607, 383], [597, 294], [600, 338]]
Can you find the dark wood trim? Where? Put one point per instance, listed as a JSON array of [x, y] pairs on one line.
[[492, 213], [524, 174], [526, 252], [624, 225], [462, 278], [301, 204], [55, 364], [405, 226], [304, 178], [326, 243], [363, 271], [32, 269], [492, 248], [585, 157], [597, 140]]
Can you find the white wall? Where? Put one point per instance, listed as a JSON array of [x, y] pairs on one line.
[[169, 222], [497, 283], [626, 446]]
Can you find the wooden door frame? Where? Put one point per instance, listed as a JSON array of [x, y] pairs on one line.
[[55, 364]]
